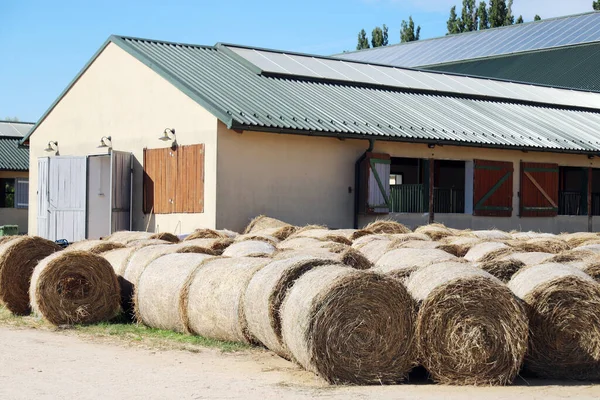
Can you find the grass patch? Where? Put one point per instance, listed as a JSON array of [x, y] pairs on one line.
[[122, 331]]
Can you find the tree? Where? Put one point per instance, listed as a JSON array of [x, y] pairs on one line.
[[497, 13], [596, 5], [363, 41], [509, 18], [453, 22], [385, 35], [482, 15], [469, 16], [537, 18], [408, 33], [519, 20], [377, 37]]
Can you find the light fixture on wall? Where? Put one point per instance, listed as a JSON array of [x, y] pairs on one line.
[[52, 146], [103, 142], [166, 136], [431, 146]]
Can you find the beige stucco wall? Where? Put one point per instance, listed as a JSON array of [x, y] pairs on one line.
[[303, 180], [121, 97]]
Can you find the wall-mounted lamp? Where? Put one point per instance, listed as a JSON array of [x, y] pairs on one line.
[[431, 146], [167, 136], [52, 146], [105, 142]]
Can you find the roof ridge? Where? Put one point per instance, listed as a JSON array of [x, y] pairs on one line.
[[462, 34], [140, 39]]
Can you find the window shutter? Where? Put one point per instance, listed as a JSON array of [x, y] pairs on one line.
[[22, 193], [377, 176], [539, 189], [492, 188]]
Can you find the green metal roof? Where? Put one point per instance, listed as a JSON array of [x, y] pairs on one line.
[[569, 67], [245, 97], [12, 156]]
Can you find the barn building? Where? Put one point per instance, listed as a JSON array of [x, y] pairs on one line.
[[171, 137]]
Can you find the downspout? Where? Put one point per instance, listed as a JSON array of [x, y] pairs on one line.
[[357, 180]]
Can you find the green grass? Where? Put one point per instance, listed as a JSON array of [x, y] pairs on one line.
[[121, 331]]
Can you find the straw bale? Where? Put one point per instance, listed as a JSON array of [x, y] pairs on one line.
[[280, 233], [257, 236], [529, 258], [487, 251], [578, 238], [503, 269], [158, 293], [124, 237], [216, 245], [4, 239], [387, 227], [401, 263], [205, 233], [554, 245], [369, 238], [592, 268], [249, 248], [263, 222], [95, 246], [350, 327], [435, 231], [375, 248], [471, 330], [299, 242], [74, 287], [146, 242], [18, 258], [571, 256], [532, 235], [323, 234], [265, 295], [563, 304], [166, 236], [213, 307], [334, 251], [119, 258], [494, 235], [595, 248]]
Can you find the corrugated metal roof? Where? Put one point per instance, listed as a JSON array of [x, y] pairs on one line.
[[14, 129], [283, 63], [545, 34], [568, 67], [237, 93], [13, 157]]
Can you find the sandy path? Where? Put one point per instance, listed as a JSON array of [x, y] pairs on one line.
[[48, 365]]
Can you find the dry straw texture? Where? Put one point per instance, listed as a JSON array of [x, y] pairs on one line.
[[205, 233], [435, 231], [529, 258], [592, 269], [401, 263], [546, 245], [531, 235], [299, 242], [74, 287], [571, 256], [158, 293], [350, 327], [18, 258], [4, 239], [387, 227], [263, 222], [258, 236], [333, 251], [124, 237], [95, 246], [492, 235], [595, 248], [119, 258], [471, 330], [487, 251], [265, 295], [502, 269], [216, 245], [564, 319], [146, 242], [324, 235], [579, 238], [374, 248], [169, 237], [249, 248], [213, 307]]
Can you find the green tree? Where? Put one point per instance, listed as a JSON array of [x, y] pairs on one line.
[[497, 13], [469, 16], [509, 18], [596, 5], [363, 40], [385, 35], [482, 16], [519, 20], [377, 37], [453, 23], [537, 18], [408, 33]]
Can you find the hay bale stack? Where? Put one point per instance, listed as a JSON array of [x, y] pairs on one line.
[[280, 233], [414, 244], [146, 242], [263, 222], [487, 251], [373, 246], [324, 235], [594, 248], [74, 287], [205, 233], [401, 263], [328, 330], [335, 252], [573, 256], [213, 306], [528, 258], [435, 231], [563, 304], [265, 295], [125, 237], [258, 236], [532, 235], [166, 236], [592, 268], [491, 235], [94, 246], [387, 227], [18, 258], [579, 238], [546, 245], [249, 248], [216, 245], [158, 294], [471, 330], [459, 245], [503, 269], [404, 237]]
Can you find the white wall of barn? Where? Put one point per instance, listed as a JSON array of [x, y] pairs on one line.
[[119, 96]]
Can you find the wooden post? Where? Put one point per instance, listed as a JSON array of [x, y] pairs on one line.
[[431, 177], [589, 199]]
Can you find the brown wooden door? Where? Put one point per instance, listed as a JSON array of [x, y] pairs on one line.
[[539, 189], [493, 188]]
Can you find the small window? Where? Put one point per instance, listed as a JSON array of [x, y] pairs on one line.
[[22, 193], [7, 193], [396, 179]]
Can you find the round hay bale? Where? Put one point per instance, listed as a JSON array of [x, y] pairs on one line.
[[471, 330], [119, 258], [578, 238], [249, 248], [547, 245], [564, 320], [213, 307], [4, 239], [166, 236], [299, 242], [528, 258], [369, 238], [263, 222], [414, 244], [387, 227], [94, 246], [124, 237], [502, 269], [158, 293], [435, 231], [74, 287], [280, 233], [205, 233], [216, 245], [324, 235], [334, 251], [401, 263], [410, 236], [146, 242], [18, 258], [494, 235], [594, 248], [374, 249], [350, 327], [591, 268], [258, 236], [532, 235], [265, 295], [487, 251], [572, 256]]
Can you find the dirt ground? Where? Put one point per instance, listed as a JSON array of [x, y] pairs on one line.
[[52, 365]]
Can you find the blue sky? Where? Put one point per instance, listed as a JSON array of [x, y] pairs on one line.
[[45, 43]]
